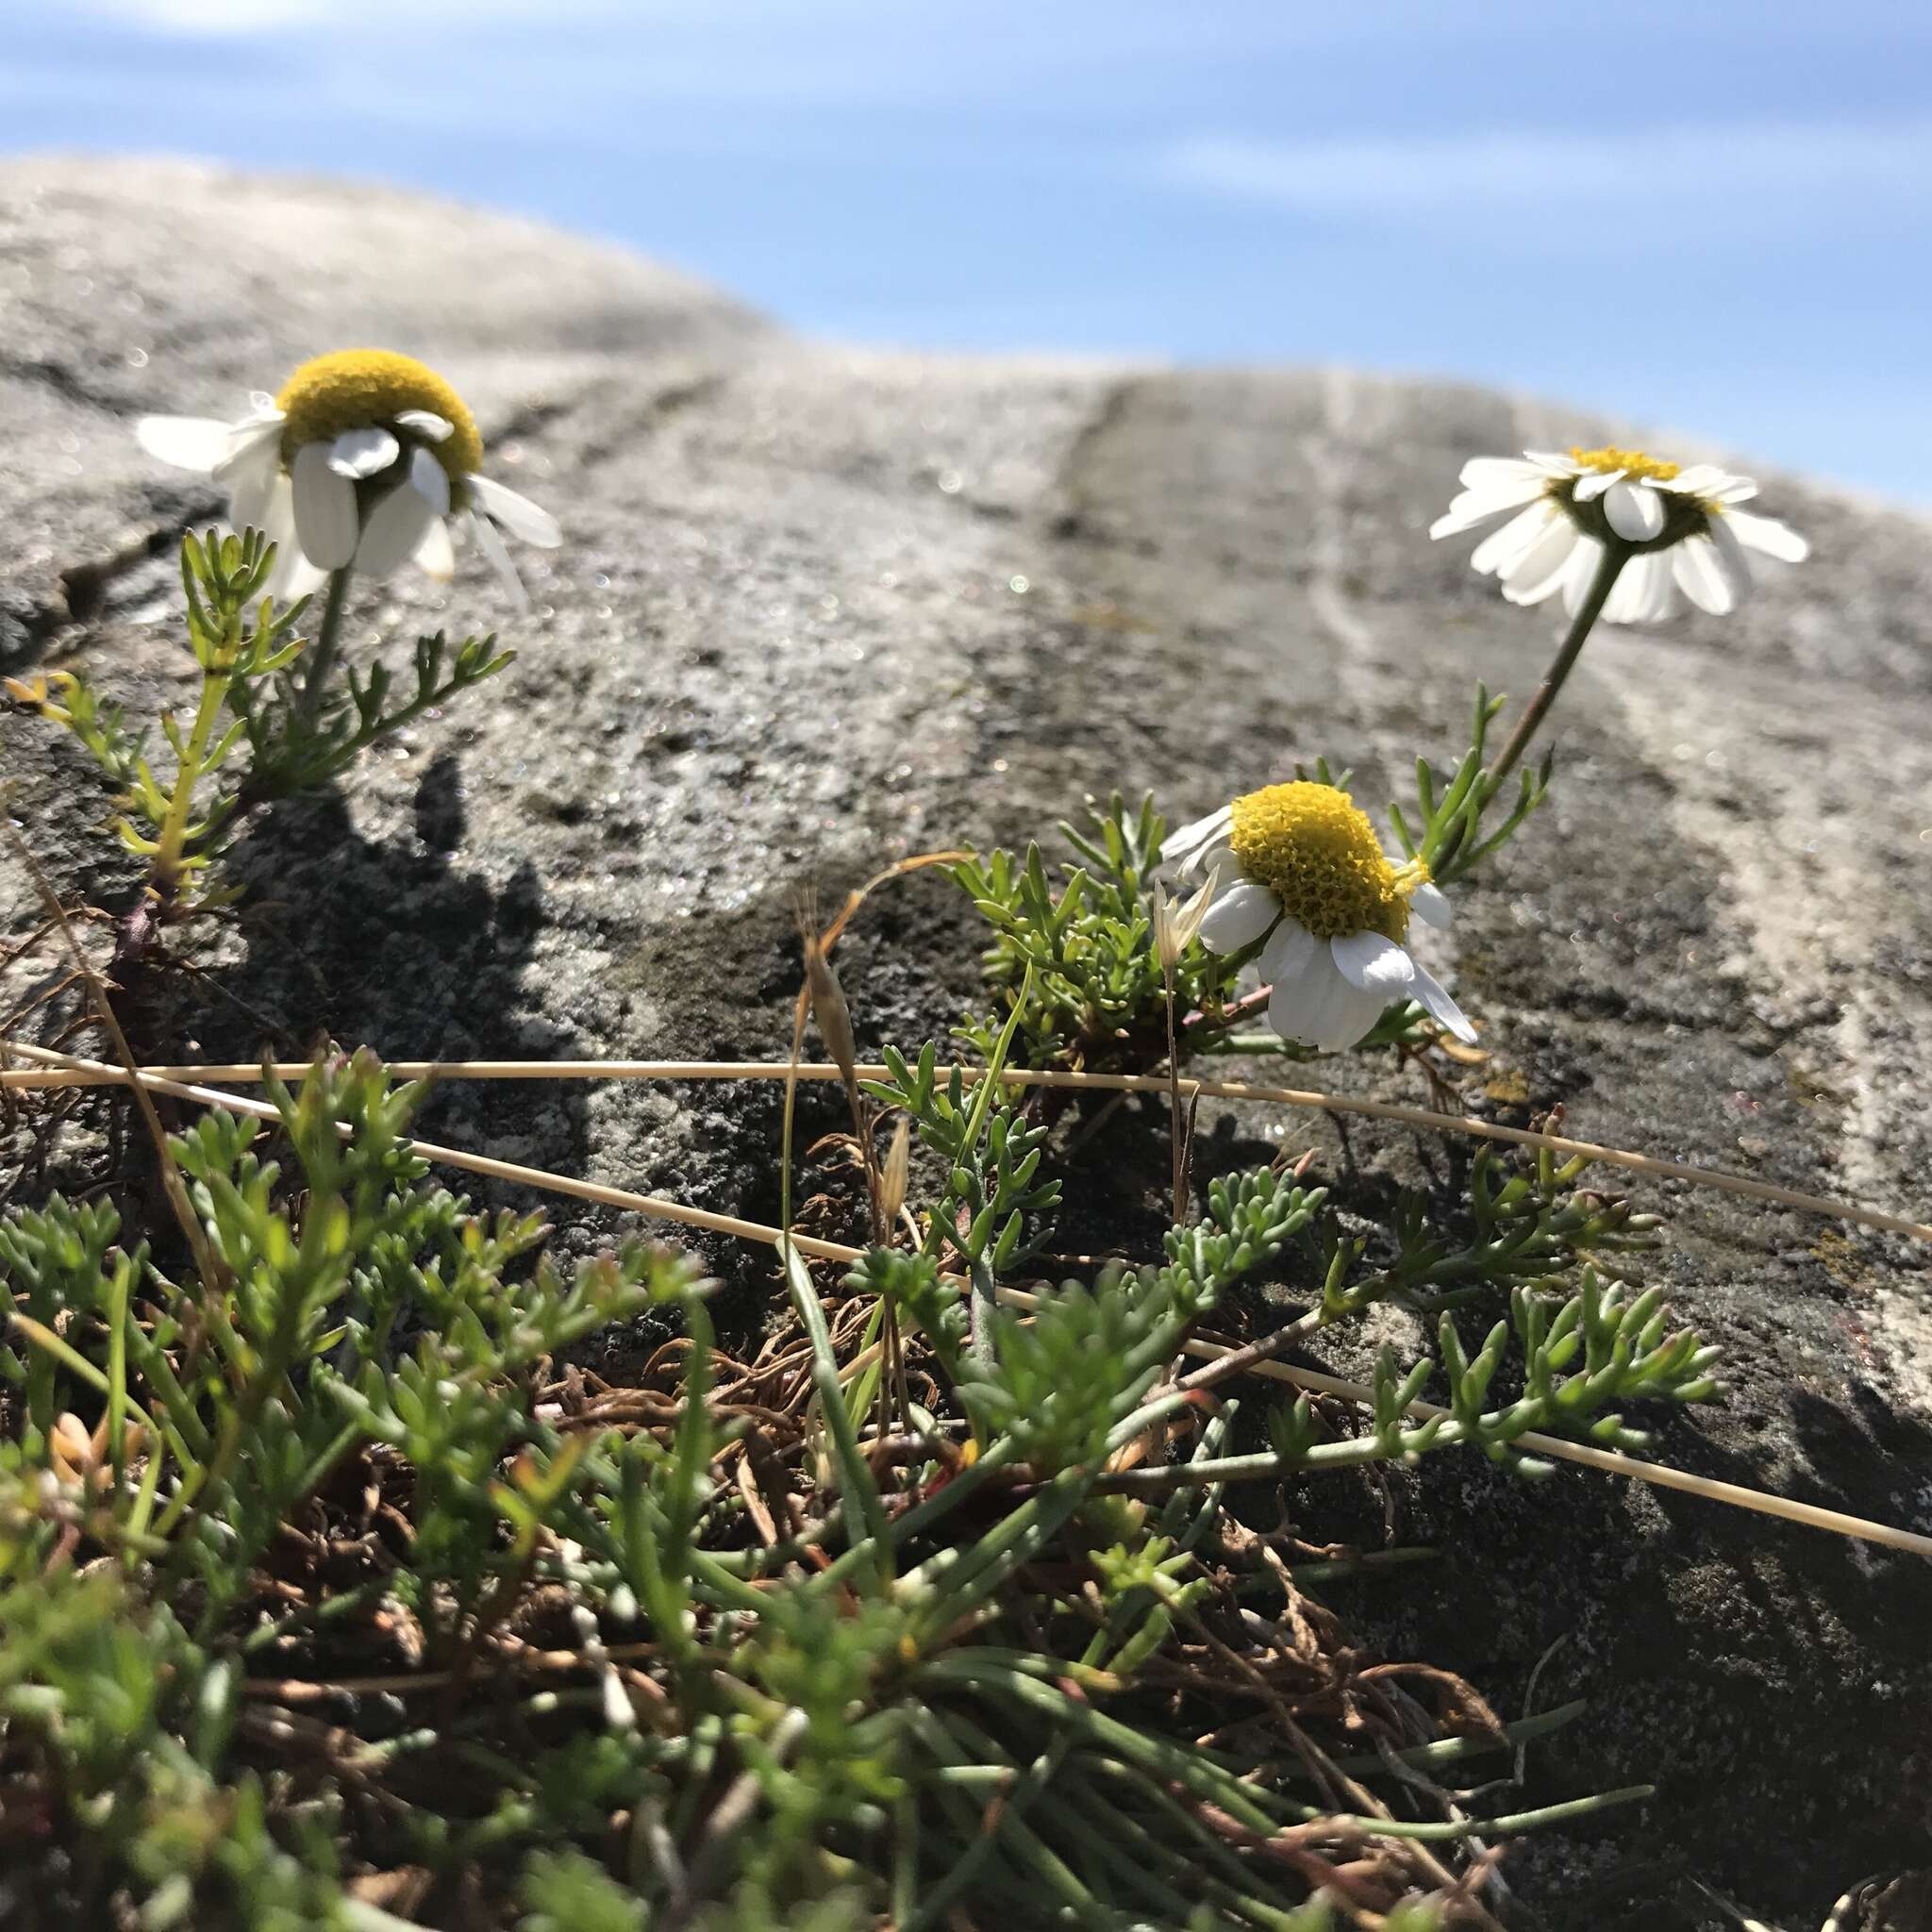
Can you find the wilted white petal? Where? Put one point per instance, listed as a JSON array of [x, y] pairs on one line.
[[189, 442], [1768, 535], [517, 515], [1633, 510], [1238, 918], [396, 526], [359, 453], [324, 508], [1177, 925], [1185, 844]]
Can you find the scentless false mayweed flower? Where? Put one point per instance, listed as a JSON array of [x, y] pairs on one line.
[[1551, 519], [363, 459], [1309, 879]]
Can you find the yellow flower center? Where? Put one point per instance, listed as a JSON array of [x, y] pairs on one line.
[[1633, 462], [1316, 851], [358, 388]]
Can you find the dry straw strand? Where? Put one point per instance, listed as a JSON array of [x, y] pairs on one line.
[[657, 1208], [52, 1069]]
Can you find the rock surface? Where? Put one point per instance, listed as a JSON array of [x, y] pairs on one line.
[[821, 608]]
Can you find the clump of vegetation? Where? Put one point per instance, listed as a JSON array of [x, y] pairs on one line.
[[336, 1590], [327, 1581]]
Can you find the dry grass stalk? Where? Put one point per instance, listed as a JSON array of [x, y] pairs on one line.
[[53, 1069], [1613, 1462]]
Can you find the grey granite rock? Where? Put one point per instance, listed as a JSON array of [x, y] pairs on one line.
[[821, 607]]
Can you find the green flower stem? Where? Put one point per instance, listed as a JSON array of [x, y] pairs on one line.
[[328, 641], [173, 835], [1609, 569]]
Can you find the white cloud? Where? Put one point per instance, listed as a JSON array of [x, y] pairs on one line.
[[1747, 172]]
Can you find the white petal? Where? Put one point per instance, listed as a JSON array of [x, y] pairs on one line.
[[1730, 557], [1304, 1004], [425, 423], [1593, 486], [1498, 472], [324, 508], [1429, 991], [1238, 918], [1739, 490], [1185, 844], [1475, 510], [249, 443], [1704, 480], [1539, 570], [1701, 578], [1323, 1009], [1373, 962], [251, 436], [396, 526], [359, 453], [1576, 580], [189, 442], [1503, 549], [1290, 952], [435, 554], [293, 575], [431, 480], [1636, 595], [1659, 592], [1633, 512], [1768, 535], [249, 476], [490, 544], [517, 515], [1554, 462], [1430, 903]]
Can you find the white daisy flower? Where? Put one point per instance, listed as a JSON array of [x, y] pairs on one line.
[[1547, 516], [364, 460], [1309, 879]]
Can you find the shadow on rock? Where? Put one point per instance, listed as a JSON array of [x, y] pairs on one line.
[[394, 945]]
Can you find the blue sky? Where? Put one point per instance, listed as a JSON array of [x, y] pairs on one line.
[[1712, 217]]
